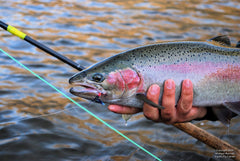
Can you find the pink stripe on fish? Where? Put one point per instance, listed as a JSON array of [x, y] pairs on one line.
[[229, 73], [203, 69]]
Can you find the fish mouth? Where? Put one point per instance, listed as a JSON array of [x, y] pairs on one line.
[[85, 90]]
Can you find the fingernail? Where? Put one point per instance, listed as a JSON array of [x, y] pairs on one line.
[[111, 108], [169, 84], [187, 83], [154, 89]]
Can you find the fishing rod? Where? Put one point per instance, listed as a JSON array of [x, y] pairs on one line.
[[188, 127], [39, 45]]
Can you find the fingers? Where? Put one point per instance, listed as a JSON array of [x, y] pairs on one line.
[[185, 103], [150, 112], [194, 113], [123, 109], [185, 111], [168, 115]]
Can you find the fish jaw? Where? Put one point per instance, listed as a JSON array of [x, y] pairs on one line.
[[86, 90]]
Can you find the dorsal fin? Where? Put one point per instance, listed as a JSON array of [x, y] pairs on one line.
[[223, 40], [238, 44]]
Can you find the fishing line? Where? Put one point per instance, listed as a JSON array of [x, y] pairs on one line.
[[85, 109]]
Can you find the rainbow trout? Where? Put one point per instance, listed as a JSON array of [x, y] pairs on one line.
[[212, 66]]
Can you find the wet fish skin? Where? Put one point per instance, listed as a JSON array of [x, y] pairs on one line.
[[213, 69]]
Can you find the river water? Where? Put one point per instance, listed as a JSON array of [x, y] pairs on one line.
[[38, 123]]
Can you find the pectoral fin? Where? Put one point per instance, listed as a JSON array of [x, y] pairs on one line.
[[144, 98], [223, 114], [227, 111], [126, 117], [238, 44], [233, 106]]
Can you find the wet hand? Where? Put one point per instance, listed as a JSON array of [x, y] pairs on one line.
[[184, 111]]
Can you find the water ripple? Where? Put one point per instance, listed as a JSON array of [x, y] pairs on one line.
[[87, 32]]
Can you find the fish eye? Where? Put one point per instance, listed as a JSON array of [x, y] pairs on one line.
[[98, 77]]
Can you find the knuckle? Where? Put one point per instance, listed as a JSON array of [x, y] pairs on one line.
[[187, 92], [184, 107], [151, 116], [167, 113], [148, 115], [169, 92], [168, 121], [168, 116], [168, 103]]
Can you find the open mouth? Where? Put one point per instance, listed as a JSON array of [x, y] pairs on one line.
[[85, 90]]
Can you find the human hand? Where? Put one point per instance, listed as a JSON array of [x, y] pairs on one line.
[[184, 111]]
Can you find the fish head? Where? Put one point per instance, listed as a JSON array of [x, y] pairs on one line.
[[110, 85]]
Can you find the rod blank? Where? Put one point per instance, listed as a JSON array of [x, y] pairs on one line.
[[39, 45]]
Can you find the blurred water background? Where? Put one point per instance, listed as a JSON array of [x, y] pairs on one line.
[[37, 123]]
